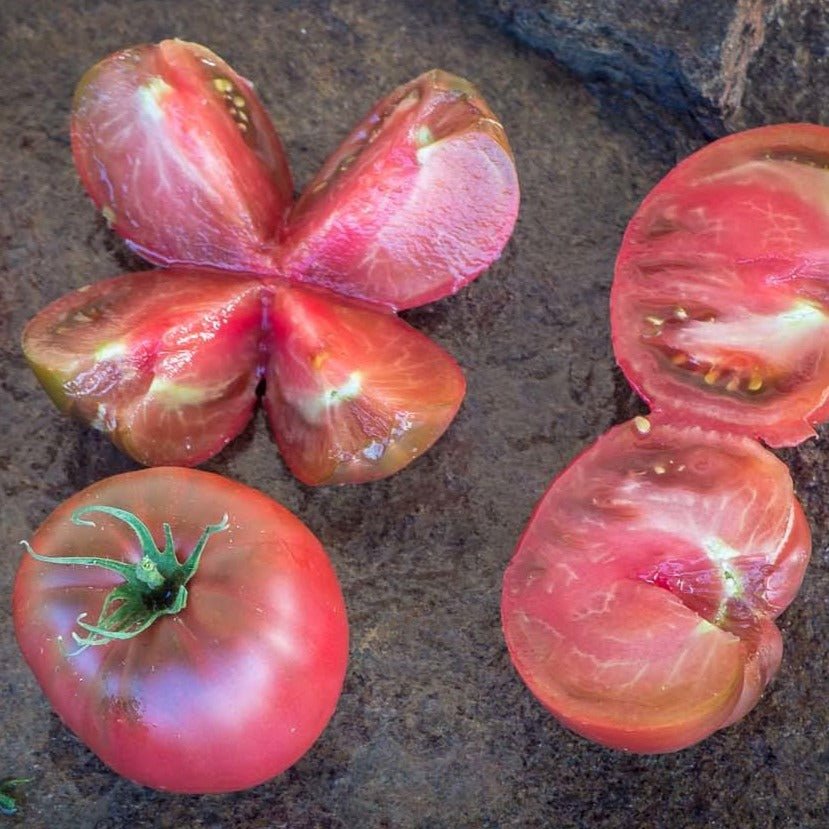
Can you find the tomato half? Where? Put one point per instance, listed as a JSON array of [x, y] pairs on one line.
[[352, 392], [720, 300], [417, 201], [177, 152], [223, 694], [164, 363], [639, 604]]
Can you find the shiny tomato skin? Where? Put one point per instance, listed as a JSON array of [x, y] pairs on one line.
[[419, 199], [165, 363], [720, 299], [226, 694], [352, 392], [639, 604], [176, 150]]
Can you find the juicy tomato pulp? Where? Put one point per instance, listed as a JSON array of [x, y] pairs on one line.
[[416, 202], [181, 158], [229, 691], [640, 601], [164, 363], [167, 364], [176, 150], [720, 300], [353, 393]]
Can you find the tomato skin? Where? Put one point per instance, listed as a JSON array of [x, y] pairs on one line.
[[229, 692], [419, 199], [720, 299], [639, 604], [176, 150], [352, 392], [143, 357]]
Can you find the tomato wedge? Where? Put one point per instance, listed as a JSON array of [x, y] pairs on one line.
[[352, 392], [639, 604], [417, 201], [176, 150], [189, 629], [165, 363], [720, 300]]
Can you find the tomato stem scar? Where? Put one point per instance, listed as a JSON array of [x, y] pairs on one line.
[[153, 587], [8, 803]]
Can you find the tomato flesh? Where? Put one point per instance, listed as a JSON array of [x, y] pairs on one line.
[[352, 392], [417, 201], [178, 153], [720, 301], [639, 604], [225, 694], [166, 364]]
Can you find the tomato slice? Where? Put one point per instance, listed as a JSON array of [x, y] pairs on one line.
[[720, 301], [165, 363], [353, 393], [638, 606], [416, 202], [178, 153], [220, 695]]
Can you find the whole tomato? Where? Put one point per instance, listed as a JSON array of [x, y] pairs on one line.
[[190, 630]]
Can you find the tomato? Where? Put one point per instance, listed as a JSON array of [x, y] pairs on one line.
[[220, 645], [416, 202], [720, 300], [178, 153], [639, 604], [165, 364], [352, 392]]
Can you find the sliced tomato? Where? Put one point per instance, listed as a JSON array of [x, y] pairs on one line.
[[638, 606], [352, 392], [178, 153], [166, 363], [720, 301], [416, 202]]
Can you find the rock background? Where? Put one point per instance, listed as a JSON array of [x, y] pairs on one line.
[[434, 729]]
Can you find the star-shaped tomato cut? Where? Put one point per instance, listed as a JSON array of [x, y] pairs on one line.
[[177, 152]]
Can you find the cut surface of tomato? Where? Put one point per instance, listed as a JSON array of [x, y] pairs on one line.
[[165, 363], [254, 658], [640, 601], [417, 201], [177, 152], [720, 299], [352, 392]]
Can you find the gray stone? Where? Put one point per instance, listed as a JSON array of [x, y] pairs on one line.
[[705, 66]]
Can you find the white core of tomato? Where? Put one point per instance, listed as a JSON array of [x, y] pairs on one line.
[[779, 335], [150, 96], [110, 351], [315, 407]]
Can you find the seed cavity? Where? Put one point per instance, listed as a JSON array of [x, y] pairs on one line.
[[235, 102]]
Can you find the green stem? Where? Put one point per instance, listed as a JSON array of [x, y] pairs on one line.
[[8, 803], [153, 587]]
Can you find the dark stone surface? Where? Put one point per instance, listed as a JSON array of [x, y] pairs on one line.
[[705, 67], [434, 729]]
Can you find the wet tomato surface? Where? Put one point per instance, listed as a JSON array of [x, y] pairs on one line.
[[639, 606], [720, 300], [176, 150]]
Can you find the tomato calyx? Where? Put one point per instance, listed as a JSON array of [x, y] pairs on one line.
[[8, 801], [154, 587]]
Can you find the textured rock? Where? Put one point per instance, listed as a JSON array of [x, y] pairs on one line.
[[707, 66], [434, 730]]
